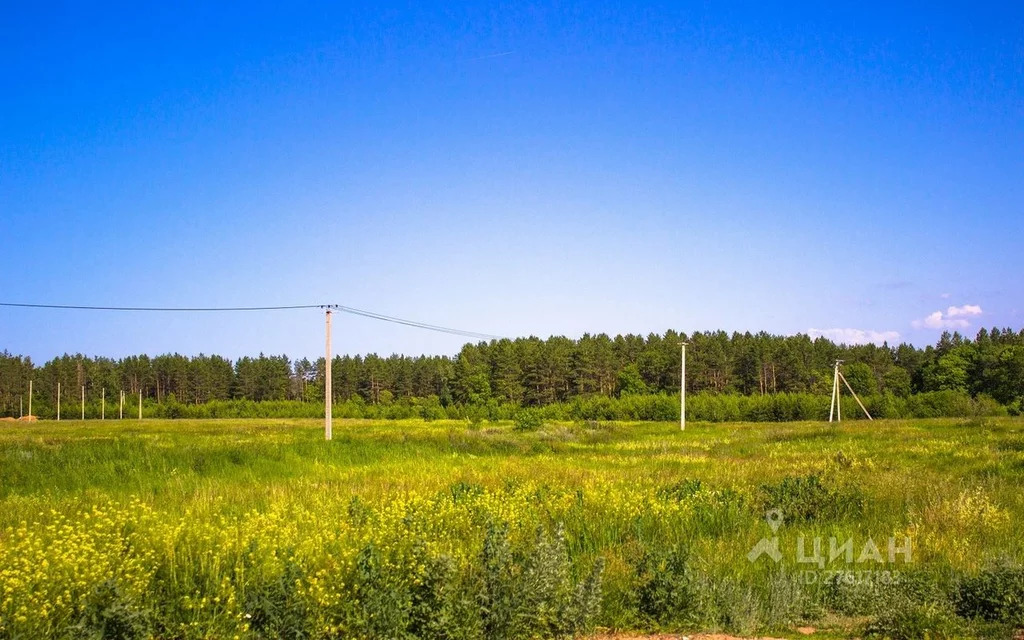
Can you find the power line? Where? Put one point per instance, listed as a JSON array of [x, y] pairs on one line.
[[350, 310], [97, 308], [419, 325]]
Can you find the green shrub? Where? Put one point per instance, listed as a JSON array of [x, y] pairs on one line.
[[385, 603], [665, 595], [987, 406], [533, 593], [805, 498], [680, 490], [442, 603], [996, 595], [529, 420], [275, 608], [907, 620], [108, 614]]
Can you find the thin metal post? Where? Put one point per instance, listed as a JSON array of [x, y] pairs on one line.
[[120, 407], [140, 403], [103, 404], [58, 401], [327, 383], [29, 397], [83, 402]]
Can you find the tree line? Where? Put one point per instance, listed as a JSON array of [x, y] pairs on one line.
[[534, 372]]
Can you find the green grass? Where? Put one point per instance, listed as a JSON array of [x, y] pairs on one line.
[[259, 528]]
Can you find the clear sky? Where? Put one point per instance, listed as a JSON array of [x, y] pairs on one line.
[[530, 169]]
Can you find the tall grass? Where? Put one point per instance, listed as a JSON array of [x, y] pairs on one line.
[[448, 529]]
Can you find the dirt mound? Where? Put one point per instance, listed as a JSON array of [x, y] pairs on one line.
[[28, 419], [7, 420]]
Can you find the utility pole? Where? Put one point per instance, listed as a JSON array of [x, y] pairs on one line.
[[833, 406], [682, 390], [837, 376], [327, 382]]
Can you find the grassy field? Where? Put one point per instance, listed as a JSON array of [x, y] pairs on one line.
[[260, 529]]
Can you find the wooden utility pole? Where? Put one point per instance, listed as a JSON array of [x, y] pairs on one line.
[[327, 382]]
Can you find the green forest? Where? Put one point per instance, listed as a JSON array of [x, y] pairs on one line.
[[731, 376]]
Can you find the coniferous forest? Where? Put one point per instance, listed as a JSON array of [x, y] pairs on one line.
[[589, 377]]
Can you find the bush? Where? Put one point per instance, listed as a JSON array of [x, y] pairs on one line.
[[805, 498], [994, 595], [442, 604], [275, 607], [987, 406], [534, 594], [905, 620], [665, 594], [939, 404], [529, 420], [109, 615], [705, 407], [385, 603]]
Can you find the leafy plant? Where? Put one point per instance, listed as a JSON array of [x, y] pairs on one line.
[[275, 607], [109, 614], [665, 594], [806, 498], [996, 594]]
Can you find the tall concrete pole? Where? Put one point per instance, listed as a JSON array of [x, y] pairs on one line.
[[832, 398], [327, 382], [682, 391], [29, 397]]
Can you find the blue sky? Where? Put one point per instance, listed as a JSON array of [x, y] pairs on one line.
[[542, 169]]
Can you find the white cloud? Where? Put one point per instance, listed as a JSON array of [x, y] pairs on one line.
[[966, 310], [855, 336], [952, 318]]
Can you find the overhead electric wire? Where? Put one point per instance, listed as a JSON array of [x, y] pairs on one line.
[[419, 325], [98, 308], [350, 310]]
